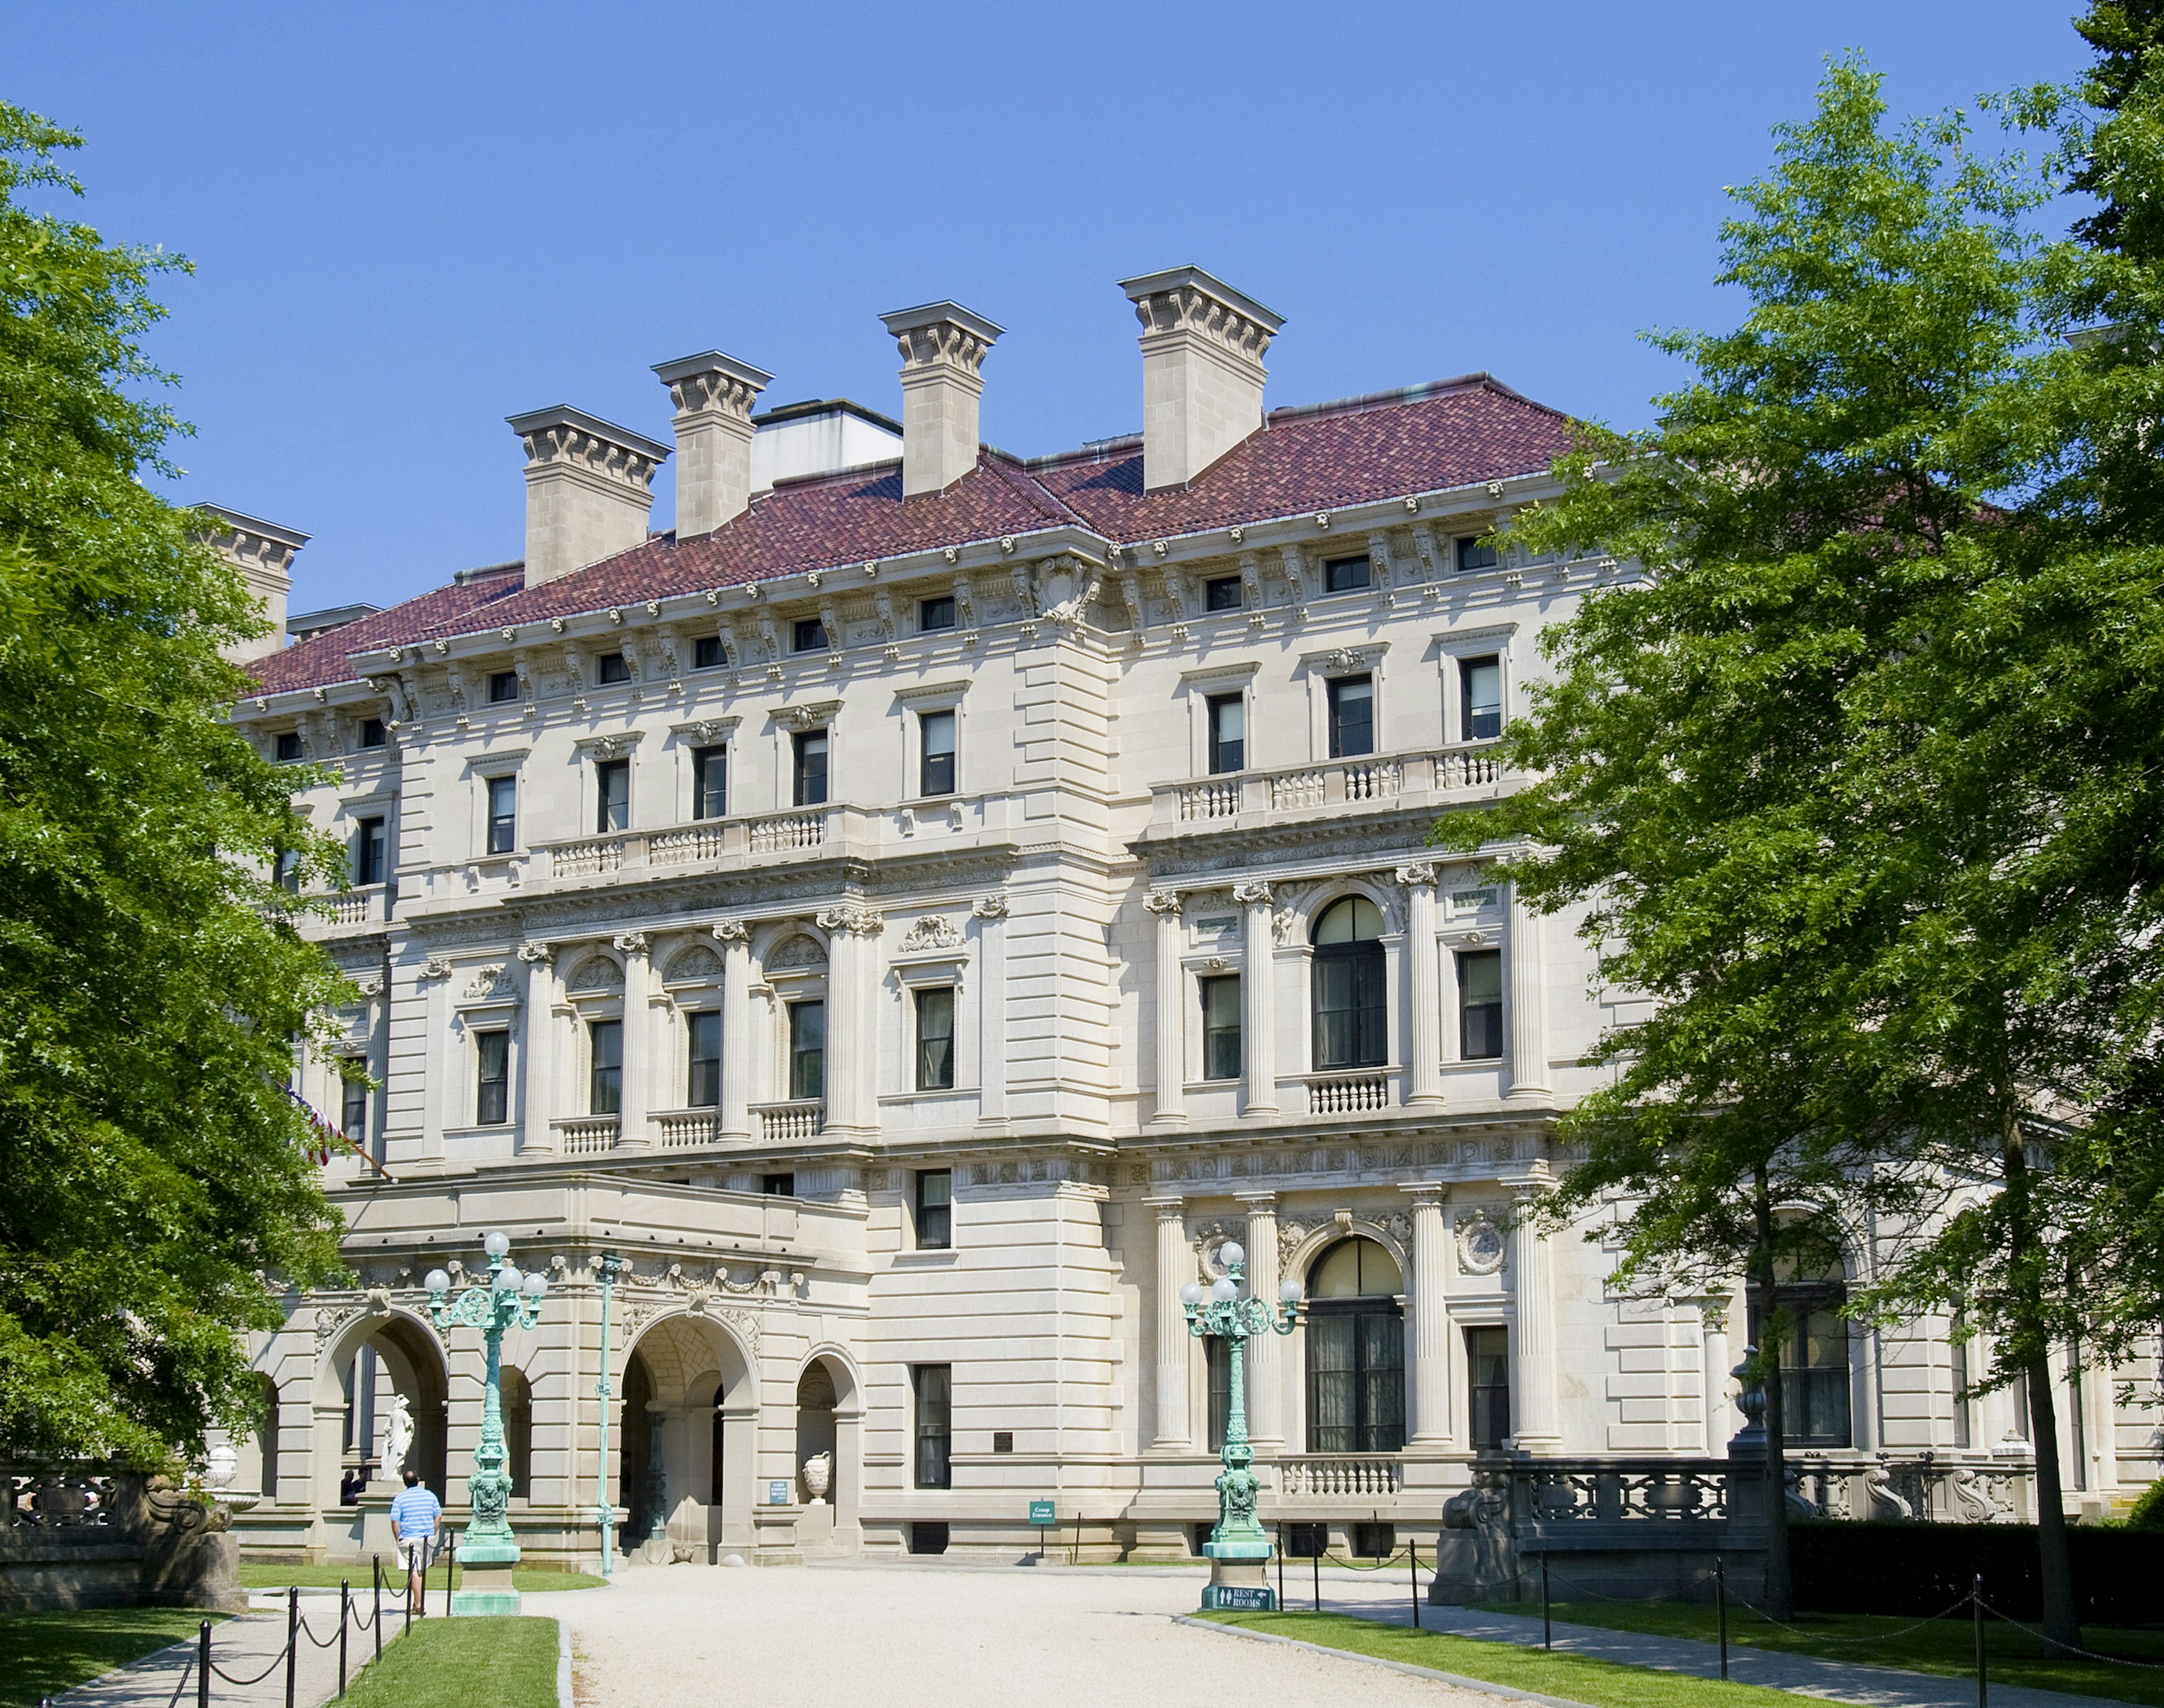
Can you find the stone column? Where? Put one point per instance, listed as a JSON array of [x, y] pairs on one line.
[[1529, 1022], [1171, 1009], [639, 1040], [1265, 1359], [1425, 1059], [1431, 1301], [1722, 1420], [1258, 998], [735, 939], [542, 1051], [849, 1043], [1535, 1425], [1175, 1269], [990, 913]]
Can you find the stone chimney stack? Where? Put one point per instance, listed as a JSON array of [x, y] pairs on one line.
[[589, 489], [1202, 370], [713, 394], [943, 347], [263, 552]]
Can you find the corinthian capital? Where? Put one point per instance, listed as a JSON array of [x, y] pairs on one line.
[[732, 931], [537, 953], [1249, 894], [1416, 874], [861, 921], [1162, 902]]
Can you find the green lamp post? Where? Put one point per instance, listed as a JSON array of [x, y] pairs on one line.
[[1239, 1548], [488, 1550]]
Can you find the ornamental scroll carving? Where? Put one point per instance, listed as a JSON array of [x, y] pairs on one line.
[[859, 921], [932, 932]]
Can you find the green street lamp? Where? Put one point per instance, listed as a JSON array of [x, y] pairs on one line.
[[488, 1550], [1239, 1548]]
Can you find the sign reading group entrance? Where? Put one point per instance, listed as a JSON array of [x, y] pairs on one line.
[[1041, 1513]]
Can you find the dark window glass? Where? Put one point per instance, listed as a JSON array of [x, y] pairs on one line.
[[1352, 1008], [935, 1040], [286, 870], [289, 746], [935, 1424], [706, 652], [611, 795], [1474, 554], [1814, 1362], [1487, 1386], [710, 782], [605, 1085], [1482, 680], [935, 613], [704, 1027], [935, 1209], [502, 685], [1222, 593], [934, 732], [503, 814], [1352, 715], [1217, 1364], [1221, 1028], [612, 667], [808, 634], [777, 1185], [1228, 732], [1374, 1541], [370, 852], [807, 1050], [928, 1535], [1963, 1404], [372, 733], [1356, 1376], [1481, 1006], [353, 1103], [1345, 575], [811, 754], [492, 1052]]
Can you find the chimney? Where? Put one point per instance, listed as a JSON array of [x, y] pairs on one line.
[[263, 552], [713, 394], [1202, 370], [589, 489], [942, 347]]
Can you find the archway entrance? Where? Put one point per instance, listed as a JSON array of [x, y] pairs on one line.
[[686, 1435]]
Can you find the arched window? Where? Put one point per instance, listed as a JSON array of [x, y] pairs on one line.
[[1352, 1013], [1356, 1351], [518, 1400], [1814, 1352]]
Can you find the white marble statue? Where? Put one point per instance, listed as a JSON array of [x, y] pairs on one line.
[[397, 1435]]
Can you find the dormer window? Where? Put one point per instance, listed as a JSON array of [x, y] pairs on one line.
[[1345, 574], [933, 614], [612, 667], [807, 634], [502, 687], [1222, 593]]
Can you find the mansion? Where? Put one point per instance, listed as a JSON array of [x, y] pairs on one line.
[[873, 938]]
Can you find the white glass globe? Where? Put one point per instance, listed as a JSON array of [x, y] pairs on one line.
[[506, 1279], [1191, 1294], [1224, 1290], [496, 1244], [1290, 1291], [436, 1281], [1231, 1251], [536, 1284]]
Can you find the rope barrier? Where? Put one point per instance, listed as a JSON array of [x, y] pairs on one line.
[[277, 1661], [2069, 1648], [319, 1642], [188, 1673]]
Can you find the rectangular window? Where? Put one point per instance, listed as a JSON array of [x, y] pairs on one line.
[[285, 870], [1958, 1347], [502, 685], [704, 1028], [492, 1055], [710, 782], [612, 667], [935, 1209], [1481, 698], [1221, 1028], [1345, 575], [353, 1100], [1356, 1377], [1351, 1007], [373, 734], [935, 1040], [777, 1185], [935, 613], [807, 1050], [1352, 717], [934, 1385], [1488, 1385], [1218, 1367], [1228, 733], [706, 652], [370, 852], [810, 767], [1481, 1006], [807, 634], [611, 795], [1475, 553], [1222, 593], [604, 1080], [935, 740], [289, 746], [503, 814]]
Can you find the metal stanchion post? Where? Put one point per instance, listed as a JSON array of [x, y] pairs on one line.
[[1721, 1606], [1281, 1605], [1412, 1556], [1548, 1624], [293, 1639], [1976, 1606], [202, 1666], [377, 1627], [346, 1606], [1315, 1563]]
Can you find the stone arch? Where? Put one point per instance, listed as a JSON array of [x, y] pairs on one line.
[[1353, 1348], [409, 1359], [832, 1422], [701, 1407], [1297, 1257]]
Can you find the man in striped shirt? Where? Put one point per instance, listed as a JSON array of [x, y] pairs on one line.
[[417, 1518]]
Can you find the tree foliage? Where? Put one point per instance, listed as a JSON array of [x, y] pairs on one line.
[[159, 1187]]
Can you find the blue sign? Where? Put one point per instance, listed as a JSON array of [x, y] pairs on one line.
[[777, 1492]]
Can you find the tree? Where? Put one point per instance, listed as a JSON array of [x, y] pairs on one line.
[[151, 980], [1738, 762]]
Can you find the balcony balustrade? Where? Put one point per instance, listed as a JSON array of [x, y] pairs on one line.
[[1373, 779], [587, 1135], [1355, 1093], [684, 1129], [783, 1123], [1316, 1475]]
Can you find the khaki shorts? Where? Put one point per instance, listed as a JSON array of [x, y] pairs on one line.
[[415, 1551]]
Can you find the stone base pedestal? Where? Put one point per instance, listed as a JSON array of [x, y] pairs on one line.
[[485, 1590], [377, 1535], [1240, 1586]]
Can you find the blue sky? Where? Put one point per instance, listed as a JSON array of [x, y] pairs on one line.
[[408, 222]]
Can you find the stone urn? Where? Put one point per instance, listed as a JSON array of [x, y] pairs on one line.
[[818, 1477]]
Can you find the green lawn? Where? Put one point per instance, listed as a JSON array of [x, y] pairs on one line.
[[464, 1664], [42, 1654], [259, 1577], [1944, 1645], [1603, 1683]]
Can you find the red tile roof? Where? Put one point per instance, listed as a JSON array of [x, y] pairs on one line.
[[1432, 438]]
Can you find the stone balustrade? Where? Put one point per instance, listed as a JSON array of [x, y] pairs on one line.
[[1371, 780]]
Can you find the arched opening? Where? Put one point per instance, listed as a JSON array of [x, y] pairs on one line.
[[395, 1388], [1349, 997], [517, 1402], [1809, 1292], [262, 1447], [689, 1434], [814, 1431], [1355, 1350], [637, 1461]]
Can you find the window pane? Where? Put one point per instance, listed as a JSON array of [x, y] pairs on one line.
[[1221, 1028], [605, 1040], [1222, 593], [810, 767], [502, 685], [704, 1029], [1488, 1385], [935, 734], [935, 1040], [706, 652], [1218, 1359], [1332, 1402], [935, 1403], [1228, 732], [1480, 1005], [1352, 717], [368, 852], [935, 613], [807, 1050], [503, 814], [935, 1198], [1472, 555], [372, 733], [809, 634], [612, 794], [1350, 1009], [492, 1050], [613, 667], [289, 746], [1345, 575], [1484, 698], [353, 1109], [710, 782]]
